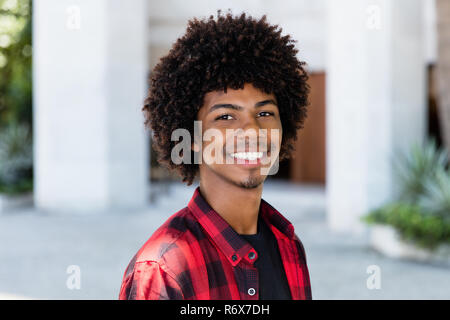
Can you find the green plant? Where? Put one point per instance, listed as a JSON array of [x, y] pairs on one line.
[[15, 62], [15, 96], [421, 212], [417, 168], [413, 224], [436, 196], [16, 159]]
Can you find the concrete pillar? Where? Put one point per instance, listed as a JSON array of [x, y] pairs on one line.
[[375, 101], [89, 83]]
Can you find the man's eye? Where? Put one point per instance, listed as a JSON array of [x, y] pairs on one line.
[[224, 117], [266, 113]]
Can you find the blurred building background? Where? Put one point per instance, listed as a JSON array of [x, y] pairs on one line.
[[91, 192]]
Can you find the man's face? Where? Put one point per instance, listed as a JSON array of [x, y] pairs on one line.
[[245, 158]]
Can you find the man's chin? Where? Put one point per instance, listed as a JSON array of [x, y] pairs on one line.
[[246, 179], [251, 182]]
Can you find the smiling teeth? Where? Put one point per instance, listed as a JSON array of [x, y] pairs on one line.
[[247, 155]]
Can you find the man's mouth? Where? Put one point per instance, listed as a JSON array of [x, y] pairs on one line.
[[252, 156], [249, 159]]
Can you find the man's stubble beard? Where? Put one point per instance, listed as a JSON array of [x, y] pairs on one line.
[[249, 182]]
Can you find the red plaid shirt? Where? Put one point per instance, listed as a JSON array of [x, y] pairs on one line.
[[196, 254]]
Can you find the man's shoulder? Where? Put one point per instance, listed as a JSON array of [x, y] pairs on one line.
[[172, 238]]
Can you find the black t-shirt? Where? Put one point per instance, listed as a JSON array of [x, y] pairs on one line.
[[273, 284]]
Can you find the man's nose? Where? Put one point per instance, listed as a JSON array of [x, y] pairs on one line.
[[251, 139]]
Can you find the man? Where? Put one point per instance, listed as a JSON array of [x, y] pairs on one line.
[[232, 74]]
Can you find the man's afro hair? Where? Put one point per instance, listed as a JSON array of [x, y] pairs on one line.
[[216, 55]]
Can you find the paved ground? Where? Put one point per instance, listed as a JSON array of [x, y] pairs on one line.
[[36, 249]]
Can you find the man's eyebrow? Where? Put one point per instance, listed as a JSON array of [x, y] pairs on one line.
[[263, 103], [237, 107]]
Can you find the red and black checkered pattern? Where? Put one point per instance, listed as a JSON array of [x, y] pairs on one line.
[[196, 254]]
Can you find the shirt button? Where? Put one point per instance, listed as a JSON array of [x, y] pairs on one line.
[[234, 257], [251, 255], [251, 291]]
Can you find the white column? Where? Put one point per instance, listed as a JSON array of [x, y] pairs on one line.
[[375, 101], [89, 83]]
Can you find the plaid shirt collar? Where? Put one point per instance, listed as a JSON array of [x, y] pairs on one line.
[[225, 237]]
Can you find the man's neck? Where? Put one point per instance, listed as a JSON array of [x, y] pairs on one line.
[[238, 206]]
